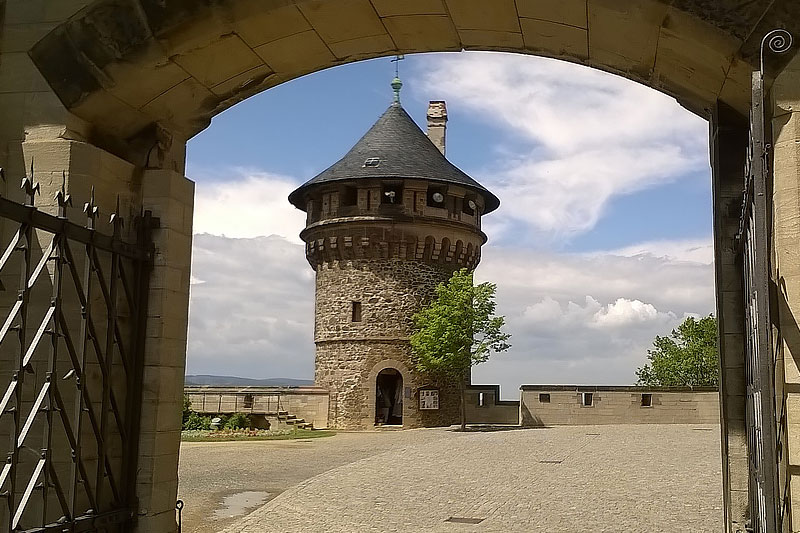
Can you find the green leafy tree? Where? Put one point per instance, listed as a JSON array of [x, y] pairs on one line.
[[688, 357], [457, 331]]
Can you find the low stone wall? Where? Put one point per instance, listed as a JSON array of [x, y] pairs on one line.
[[556, 405], [484, 406], [309, 403]]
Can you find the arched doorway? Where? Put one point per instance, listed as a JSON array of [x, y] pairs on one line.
[[144, 86], [389, 398]]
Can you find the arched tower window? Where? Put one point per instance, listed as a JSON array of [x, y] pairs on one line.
[[429, 243], [459, 250], [444, 254]]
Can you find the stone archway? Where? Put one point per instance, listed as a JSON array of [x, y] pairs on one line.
[[110, 90], [389, 398], [372, 391]]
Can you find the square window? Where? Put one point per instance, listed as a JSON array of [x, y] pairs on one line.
[[248, 401], [587, 399], [544, 398], [647, 400], [356, 311]]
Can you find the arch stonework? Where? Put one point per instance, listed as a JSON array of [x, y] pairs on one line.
[[372, 392], [110, 90]]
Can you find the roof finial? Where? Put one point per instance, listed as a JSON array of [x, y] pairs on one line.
[[396, 83]]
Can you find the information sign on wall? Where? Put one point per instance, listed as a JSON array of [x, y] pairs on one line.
[[429, 399]]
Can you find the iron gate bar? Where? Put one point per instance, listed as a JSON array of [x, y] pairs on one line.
[[10, 248], [109, 358], [27, 214], [50, 474], [84, 293], [759, 364], [43, 261]]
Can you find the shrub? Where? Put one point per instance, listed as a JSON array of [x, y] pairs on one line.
[[187, 408], [238, 421], [196, 421]]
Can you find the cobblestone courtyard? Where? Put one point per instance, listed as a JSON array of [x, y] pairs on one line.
[[646, 478]]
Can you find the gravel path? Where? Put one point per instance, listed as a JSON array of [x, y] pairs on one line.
[[210, 472]]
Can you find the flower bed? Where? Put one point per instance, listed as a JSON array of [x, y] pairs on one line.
[[203, 435]]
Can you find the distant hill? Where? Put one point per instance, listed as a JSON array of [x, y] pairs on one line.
[[231, 381]]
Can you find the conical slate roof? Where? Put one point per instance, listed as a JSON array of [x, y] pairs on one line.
[[404, 151]]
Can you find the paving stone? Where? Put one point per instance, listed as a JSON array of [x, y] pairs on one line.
[[651, 478]]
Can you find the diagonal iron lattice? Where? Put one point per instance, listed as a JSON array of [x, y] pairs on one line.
[[71, 402]]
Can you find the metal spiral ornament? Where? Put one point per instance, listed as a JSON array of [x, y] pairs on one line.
[[778, 41]]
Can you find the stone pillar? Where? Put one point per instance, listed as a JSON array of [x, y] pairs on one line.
[[786, 276], [728, 138], [170, 197]]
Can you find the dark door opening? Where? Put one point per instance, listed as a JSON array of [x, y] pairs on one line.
[[389, 398]]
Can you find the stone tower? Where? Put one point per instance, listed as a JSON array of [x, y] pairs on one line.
[[385, 224]]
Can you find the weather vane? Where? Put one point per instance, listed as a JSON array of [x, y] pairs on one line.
[[397, 59], [396, 83]]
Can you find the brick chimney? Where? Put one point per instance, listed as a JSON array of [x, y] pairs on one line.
[[437, 123]]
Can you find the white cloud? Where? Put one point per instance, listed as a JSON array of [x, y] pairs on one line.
[[575, 318], [252, 314], [575, 137], [251, 204], [587, 318], [620, 313], [693, 250], [624, 312]]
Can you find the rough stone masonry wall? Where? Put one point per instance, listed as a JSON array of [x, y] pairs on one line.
[[350, 354]]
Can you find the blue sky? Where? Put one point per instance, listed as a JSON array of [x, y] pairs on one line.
[[598, 177]]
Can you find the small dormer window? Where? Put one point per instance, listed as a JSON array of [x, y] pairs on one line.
[[372, 162]]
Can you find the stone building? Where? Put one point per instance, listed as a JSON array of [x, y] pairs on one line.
[[386, 224]]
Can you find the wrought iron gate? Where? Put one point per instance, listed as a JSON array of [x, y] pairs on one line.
[[71, 399], [766, 514], [759, 368]]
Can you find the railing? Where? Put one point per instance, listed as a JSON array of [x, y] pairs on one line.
[[219, 402]]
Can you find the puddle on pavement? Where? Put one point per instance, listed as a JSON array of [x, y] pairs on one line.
[[239, 503]]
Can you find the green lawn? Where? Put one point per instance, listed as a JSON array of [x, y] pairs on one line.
[[225, 436]]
